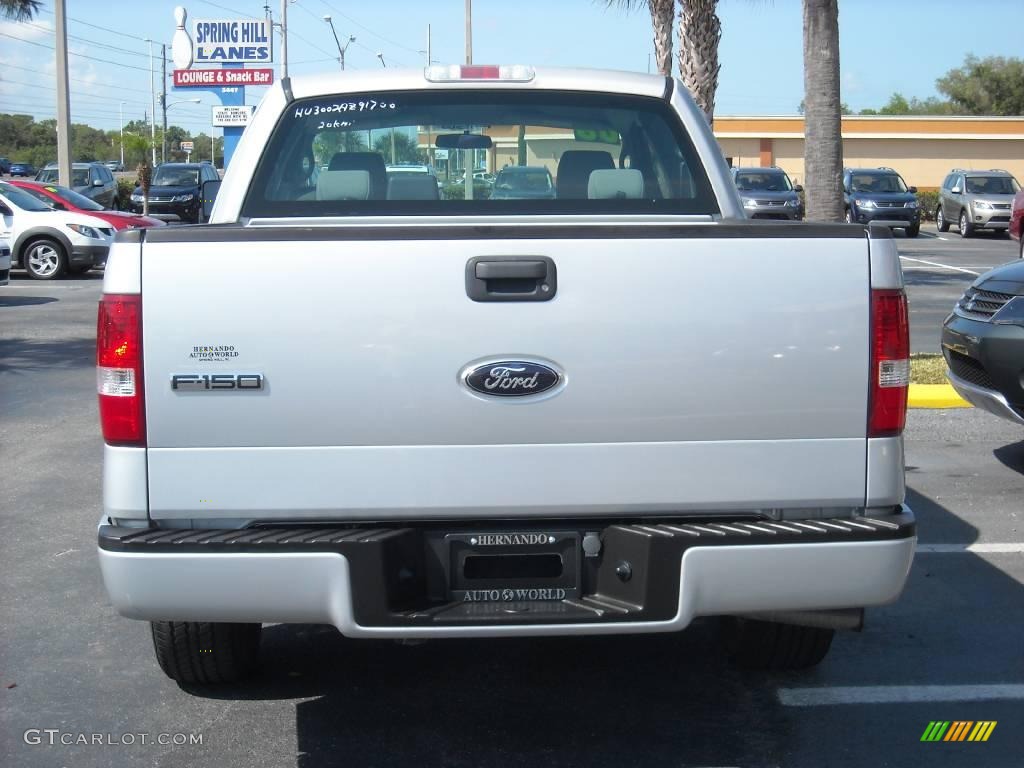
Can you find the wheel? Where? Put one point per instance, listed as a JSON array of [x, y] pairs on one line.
[[204, 652], [913, 231], [44, 259], [770, 645], [849, 216], [78, 269], [940, 221], [966, 230]]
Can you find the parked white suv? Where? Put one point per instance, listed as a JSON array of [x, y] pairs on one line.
[[48, 243]]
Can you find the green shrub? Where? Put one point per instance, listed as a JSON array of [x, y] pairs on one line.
[[125, 187], [928, 200], [458, 191]]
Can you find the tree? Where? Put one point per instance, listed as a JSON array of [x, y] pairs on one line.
[[19, 10], [405, 149], [663, 13], [823, 140], [989, 86], [699, 34]]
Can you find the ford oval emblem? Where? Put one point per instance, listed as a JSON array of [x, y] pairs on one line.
[[512, 378]]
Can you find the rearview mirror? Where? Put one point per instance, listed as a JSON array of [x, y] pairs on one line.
[[209, 195], [98, 183], [955, 190], [798, 188], [913, 190], [463, 141]]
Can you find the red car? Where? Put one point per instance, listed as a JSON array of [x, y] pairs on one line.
[[1017, 220], [69, 200]]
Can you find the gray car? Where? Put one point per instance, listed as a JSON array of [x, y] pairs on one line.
[[768, 193], [94, 180], [973, 200]]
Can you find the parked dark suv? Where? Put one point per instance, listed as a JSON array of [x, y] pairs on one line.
[[767, 193], [94, 180], [174, 194], [880, 194]]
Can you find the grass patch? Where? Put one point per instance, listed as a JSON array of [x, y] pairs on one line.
[[928, 369]]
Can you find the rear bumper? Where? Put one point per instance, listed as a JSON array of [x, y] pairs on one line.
[[379, 582]]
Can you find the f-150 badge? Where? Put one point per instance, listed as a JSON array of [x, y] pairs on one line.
[[216, 382], [511, 378]]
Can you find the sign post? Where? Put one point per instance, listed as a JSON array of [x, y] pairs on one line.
[[231, 43]]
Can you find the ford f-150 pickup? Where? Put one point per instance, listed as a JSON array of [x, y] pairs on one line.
[[355, 398]]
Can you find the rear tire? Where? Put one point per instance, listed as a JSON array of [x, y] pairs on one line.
[[767, 645], [203, 652], [913, 231], [940, 221], [966, 229]]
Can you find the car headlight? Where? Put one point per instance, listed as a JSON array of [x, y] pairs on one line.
[[910, 204], [84, 231], [865, 203], [749, 202], [981, 205], [182, 198], [136, 197], [793, 203]]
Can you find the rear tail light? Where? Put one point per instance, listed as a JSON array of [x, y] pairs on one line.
[[443, 73], [890, 363], [119, 369]]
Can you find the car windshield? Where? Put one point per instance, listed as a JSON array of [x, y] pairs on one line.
[[79, 176], [598, 152], [22, 199], [169, 176], [763, 182], [525, 179], [992, 185], [877, 183]]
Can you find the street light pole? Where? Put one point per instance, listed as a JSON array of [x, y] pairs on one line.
[[163, 103], [469, 31], [284, 37], [341, 48], [120, 111]]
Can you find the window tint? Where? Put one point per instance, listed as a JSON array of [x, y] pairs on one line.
[[767, 181], [574, 153], [992, 185], [877, 183]]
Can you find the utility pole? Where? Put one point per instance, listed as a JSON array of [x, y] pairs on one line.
[[63, 100], [284, 38], [469, 31], [120, 111], [163, 104], [152, 93], [430, 56]]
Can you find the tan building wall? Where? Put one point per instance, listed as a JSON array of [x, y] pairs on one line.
[[922, 149]]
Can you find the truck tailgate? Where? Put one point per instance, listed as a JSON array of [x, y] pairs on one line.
[[701, 371]]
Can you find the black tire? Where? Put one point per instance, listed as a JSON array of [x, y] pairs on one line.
[[44, 258], [966, 228], [940, 221], [203, 652], [913, 231], [849, 216], [770, 645]]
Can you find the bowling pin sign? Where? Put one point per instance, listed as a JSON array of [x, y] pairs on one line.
[[181, 44]]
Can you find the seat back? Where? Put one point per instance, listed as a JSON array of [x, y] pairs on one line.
[[343, 185], [412, 186], [574, 169], [370, 162]]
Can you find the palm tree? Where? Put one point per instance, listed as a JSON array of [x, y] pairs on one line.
[[823, 138], [663, 14], [19, 10], [699, 33]]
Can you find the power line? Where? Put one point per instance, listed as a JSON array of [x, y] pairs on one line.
[[78, 80], [73, 53], [367, 29], [96, 43]]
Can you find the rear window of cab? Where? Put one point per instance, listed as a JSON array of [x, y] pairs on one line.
[[603, 153]]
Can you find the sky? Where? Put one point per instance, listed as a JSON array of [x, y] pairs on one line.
[[885, 46]]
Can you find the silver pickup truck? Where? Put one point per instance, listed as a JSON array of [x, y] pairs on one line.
[[390, 403]]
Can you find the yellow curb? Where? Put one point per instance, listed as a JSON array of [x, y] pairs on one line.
[[935, 396]]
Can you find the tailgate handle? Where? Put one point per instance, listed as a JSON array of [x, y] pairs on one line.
[[511, 278]]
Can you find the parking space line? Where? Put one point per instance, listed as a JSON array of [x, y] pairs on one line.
[[946, 549], [941, 266], [897, 694]]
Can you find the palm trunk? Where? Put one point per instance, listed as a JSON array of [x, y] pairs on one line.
[[823, 140], [662, 19], [699, 33]]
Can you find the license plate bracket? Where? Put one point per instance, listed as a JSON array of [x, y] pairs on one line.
[[513, 566]]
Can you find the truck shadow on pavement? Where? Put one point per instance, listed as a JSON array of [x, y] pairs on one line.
[[19, 355], [1011, 456], [25, 301], [652, 700]]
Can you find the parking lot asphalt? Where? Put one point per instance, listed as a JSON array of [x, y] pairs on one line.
[[938, 267], [949, 649]]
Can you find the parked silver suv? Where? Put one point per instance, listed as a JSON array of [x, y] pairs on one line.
[[975, 200]]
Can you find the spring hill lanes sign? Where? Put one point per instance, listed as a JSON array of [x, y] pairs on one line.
[[232, 41]]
